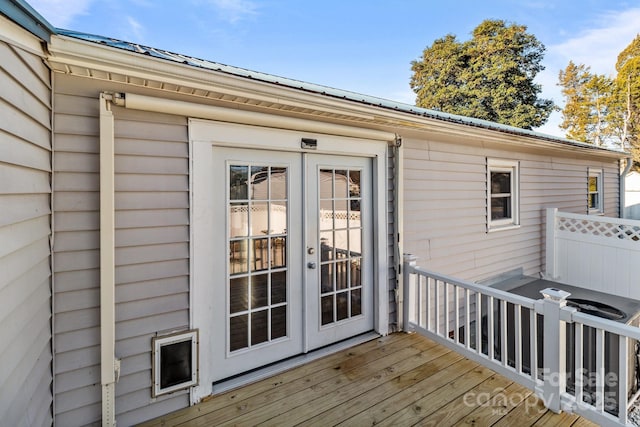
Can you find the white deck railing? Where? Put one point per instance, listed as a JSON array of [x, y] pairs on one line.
[[501, 331]]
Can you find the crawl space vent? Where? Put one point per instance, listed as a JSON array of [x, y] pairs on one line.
[[175, 362]]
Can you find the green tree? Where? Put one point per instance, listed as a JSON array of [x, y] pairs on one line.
[[586, 111], [625, 102], [489, 77]]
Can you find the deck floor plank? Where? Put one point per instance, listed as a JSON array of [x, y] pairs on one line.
[[398, 380], [362, 377]]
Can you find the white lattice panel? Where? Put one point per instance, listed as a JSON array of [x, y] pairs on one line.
[[599, 228]]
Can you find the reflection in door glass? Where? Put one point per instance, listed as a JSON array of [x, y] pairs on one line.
[[340, 244], [258, 277]]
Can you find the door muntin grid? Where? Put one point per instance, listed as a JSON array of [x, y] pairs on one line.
[[258, 276], [341, 242]]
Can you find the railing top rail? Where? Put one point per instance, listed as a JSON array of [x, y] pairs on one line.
[[482, 289], [607, 325]]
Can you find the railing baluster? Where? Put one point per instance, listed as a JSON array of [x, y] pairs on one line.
[[517, 322], [467, 320], [600, 370], [436, 294], [428, 304], [533, 344], [623, 374], [503, 332], [579, 372], [490, 329], [456, 308], [445, 304], [419, 301], [478, 323]]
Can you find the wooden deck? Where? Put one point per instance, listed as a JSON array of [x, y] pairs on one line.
[[398, 380]]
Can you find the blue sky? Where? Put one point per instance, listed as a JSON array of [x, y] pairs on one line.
[[359, 45]]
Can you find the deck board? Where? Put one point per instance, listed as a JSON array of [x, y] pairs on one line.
[[396, 380]]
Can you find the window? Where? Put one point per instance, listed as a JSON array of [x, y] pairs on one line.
[[595, 201], [502, 194]]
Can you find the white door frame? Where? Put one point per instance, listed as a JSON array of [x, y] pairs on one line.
[[203, 135]]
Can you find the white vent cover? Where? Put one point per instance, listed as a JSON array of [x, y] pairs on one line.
[[175, 362]]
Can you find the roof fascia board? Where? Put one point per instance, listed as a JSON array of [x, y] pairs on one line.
[[80, 53], [25, 16]]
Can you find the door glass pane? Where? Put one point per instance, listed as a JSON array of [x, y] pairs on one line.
[[238, 294], [259, 254], [326, 278], [278, 252], [278, 322], [356, 302], [259, 182], [259, 327], [327, 309], [326, 215], [239, 335], [341, 184], [278, 184], [279, 287], [238, 219], [354, 184], [257, 281], [238, 256], [259, 293], [326, 184], [259, 218], [326, 246], [342, 275], [342, 304], [340, 245], [238, 180], [278, 217]]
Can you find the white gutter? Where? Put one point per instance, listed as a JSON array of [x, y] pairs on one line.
[[623, 187], [202, 111], [108, 363]]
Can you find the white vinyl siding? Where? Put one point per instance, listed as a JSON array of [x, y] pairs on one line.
[[25, 279], [152, 251], [445, 210]]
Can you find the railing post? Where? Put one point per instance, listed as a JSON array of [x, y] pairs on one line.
[[554, 355], [408, 291], [551, 249]]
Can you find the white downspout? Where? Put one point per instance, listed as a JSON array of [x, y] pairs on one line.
[[623, 187], [108, 363], [398, 210]]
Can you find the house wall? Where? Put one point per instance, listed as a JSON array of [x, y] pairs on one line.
[[25, 193], [445, 204], [152, 251]]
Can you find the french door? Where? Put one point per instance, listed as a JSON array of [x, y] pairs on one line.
[[291, 253]]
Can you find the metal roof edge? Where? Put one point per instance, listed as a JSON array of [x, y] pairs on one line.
[[20, 12], [331, 92]]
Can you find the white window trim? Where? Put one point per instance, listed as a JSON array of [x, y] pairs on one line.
[[512, 166], [599, 174]]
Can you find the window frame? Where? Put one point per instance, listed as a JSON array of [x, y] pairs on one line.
[[597, 173], [513, 168]]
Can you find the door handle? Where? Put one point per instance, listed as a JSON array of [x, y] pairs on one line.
[[311, 265]]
